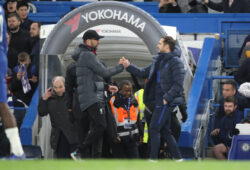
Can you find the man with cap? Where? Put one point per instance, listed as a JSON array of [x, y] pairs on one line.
[[91, 74]]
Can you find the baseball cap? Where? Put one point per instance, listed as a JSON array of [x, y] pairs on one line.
[[91, 34]]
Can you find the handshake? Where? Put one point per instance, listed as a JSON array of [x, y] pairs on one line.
[[124, 62]]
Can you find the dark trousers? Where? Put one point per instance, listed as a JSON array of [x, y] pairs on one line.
[[175, 126], [125, 149], [97, 122], [143, 150], [160, 126], [63, 147]]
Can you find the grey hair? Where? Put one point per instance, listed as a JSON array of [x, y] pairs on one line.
[[58, 77]]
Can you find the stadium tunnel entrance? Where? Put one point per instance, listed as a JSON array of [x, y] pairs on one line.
[[88, 16], [81, 19]]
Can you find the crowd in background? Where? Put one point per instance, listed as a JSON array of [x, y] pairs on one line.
[[23, 75]]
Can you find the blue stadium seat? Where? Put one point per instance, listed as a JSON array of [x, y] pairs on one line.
[[32, 152], [240, 149]]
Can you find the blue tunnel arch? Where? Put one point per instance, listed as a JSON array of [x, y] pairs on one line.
[[99, 13]]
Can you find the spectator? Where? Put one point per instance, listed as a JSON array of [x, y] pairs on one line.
[[129, 130], [230, 6], [227, 127], [12, 53], [245, 53], [229, 88], [164, 91], [24, 82], [243, 74], [35, 41], [169, 6], [63, 139], [245, 43], [91, 87], [197, 7], [20, 39], [244, 90], [10, 7], [22, 10]]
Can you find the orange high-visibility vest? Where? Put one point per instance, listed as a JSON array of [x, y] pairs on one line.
[[121, 114]]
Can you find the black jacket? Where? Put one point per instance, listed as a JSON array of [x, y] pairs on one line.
[[169, 8], [55, 106], [243, 74], [26, 24], [35, 52], [90, 73], [20, 41], [238, 6]]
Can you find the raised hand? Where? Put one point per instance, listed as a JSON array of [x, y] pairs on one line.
[[112, 89], [33, 79], [124, 62], [47, 94]]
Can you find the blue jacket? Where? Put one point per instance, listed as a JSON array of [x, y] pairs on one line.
[[171, 77]]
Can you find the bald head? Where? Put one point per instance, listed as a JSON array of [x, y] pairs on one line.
[[58, 83]]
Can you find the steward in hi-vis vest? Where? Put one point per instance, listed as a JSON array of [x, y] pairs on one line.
[[126, 112]]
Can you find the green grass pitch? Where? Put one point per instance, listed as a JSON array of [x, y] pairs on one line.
[[122, 165]]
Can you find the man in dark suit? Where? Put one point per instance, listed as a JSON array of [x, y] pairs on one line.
[[230, 6]]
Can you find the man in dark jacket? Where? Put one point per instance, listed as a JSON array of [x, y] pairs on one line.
[[20, 39], [169, 6], [63, 137], [90, 73], [243, 74], [35, 41], [229, 88], [80, 119], [230, 6], [164, 89], [227, 127], [73, 106], [22, 9]]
